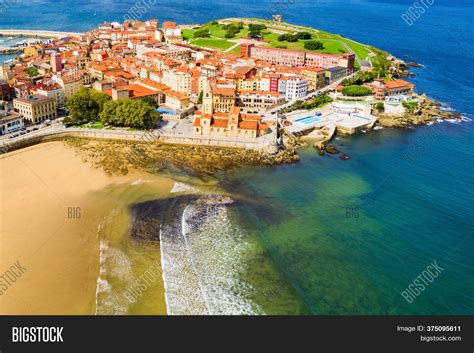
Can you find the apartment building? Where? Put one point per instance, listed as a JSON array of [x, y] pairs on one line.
[[315, 76], [295, 58], [36, 108], [179, 81], [296, 88]]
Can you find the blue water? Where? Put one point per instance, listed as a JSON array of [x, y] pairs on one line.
[[350, 236]]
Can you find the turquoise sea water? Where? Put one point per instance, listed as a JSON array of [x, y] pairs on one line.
[[347, 237]]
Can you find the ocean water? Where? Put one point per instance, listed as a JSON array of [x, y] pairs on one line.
[[327, 236]]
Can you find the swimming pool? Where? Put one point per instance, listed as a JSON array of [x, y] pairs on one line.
[[164, 111], [308, 120]]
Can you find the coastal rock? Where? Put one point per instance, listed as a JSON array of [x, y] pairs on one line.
[[121, 157], [344, 157], [413, 64], [331, 149], [427, 112]]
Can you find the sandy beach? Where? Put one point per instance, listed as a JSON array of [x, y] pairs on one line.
[[49, 219]]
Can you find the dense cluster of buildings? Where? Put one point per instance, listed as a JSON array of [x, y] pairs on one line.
[[225, 92]]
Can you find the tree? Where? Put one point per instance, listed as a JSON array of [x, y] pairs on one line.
[[108, 113], [255, 30], [201, 95], [318, 101], [356, 91], [304, 35], [256, 27], [288, 38], [379, 106], [202, 33], [127, 112], [410, 106], [85, 105], [313, 45], [32, 71], [231, 32], [363, 77], [150, 101]]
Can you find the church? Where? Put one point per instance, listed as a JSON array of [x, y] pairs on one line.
[[232, 123]]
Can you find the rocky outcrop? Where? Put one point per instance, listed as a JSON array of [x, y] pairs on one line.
[[121, 157], [331, 149], [427, 112]]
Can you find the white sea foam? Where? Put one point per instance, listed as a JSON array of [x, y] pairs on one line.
[[453, 121], [202, 260], [182, 187], [116, 265], [378, 127]]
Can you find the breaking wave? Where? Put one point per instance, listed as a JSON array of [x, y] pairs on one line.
[[203, 252], [182, 187], [114, 264]]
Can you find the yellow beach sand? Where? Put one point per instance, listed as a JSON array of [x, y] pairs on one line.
[[40, 187]]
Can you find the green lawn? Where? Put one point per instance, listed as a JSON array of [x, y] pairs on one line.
[[216, 31], [212, 43], [333, 43], [330, 46], [236, 50], [94, 125]]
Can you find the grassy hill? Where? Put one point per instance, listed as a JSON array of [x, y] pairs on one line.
[[333, 43]]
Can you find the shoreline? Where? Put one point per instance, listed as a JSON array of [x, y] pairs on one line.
[[59, 247]]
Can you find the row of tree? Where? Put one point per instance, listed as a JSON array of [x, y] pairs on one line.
[[255, 30], [232, 29], [88, 105], [316, 102], [288, 37], [364, 77]]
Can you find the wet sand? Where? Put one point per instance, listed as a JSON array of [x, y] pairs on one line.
[[39, 188]]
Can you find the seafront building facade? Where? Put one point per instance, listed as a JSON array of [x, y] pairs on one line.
[[10, 122], [383, 88], [36, 108], [296, 88], [294, 58]]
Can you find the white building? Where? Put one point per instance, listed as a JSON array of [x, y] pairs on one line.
[[296, 88], [259, 100], [10, 122]]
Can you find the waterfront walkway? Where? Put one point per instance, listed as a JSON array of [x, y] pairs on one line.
[[36, 33], [262, 143]]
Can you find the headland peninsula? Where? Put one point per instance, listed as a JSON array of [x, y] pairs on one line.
[[203, 98]]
